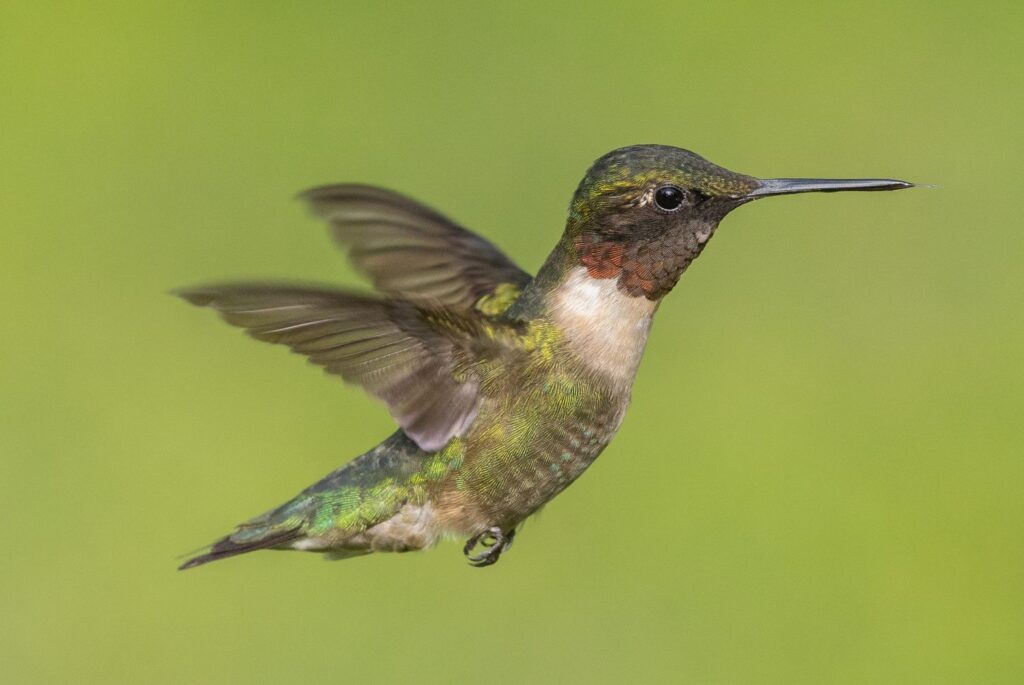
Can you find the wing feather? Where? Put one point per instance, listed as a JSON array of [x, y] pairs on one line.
[[417, 361], [408, 250]]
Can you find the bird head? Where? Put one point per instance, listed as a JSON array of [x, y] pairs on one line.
[[643, 213]]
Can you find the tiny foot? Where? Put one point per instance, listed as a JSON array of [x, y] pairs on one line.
[[492, 541]]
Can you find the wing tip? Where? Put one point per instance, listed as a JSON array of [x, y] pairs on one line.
[[333, 192], [312, 194], [200, 297]]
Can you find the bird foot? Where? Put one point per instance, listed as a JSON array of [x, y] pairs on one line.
[[492, 541]]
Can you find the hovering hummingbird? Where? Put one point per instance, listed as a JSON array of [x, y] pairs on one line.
[[505, 387]]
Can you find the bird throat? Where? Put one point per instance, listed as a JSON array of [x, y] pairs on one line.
[[648, 268], [603, 326]]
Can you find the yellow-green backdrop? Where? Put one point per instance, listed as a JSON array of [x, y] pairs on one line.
[[820, 479]]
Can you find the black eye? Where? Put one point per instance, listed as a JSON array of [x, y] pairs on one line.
[[669, 198]]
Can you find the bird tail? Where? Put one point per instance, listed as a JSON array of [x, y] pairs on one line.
[[347, 501], [274, 529]]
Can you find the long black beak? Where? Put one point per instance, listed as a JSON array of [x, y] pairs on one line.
[[787, 186]]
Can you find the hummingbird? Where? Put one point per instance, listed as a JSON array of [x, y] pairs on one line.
[[505, 387]]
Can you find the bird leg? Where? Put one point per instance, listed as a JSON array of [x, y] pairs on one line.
[[493, 541]]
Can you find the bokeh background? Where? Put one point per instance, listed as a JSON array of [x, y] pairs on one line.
[[820, 480]]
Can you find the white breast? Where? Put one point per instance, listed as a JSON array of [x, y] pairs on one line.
[[606, 328]]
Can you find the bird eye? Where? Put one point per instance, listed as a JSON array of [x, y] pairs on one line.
[[669, 198]]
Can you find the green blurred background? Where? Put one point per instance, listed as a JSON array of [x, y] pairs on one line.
[[819, 480]]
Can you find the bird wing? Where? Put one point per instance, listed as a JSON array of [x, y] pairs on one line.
[[423, 363], [410, 251]]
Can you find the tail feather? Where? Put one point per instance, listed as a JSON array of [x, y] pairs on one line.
[[226, 547], [366, 491]]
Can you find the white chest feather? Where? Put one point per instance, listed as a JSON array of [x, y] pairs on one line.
[[604, 327]]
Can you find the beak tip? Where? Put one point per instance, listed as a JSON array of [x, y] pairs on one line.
[[788, 186]]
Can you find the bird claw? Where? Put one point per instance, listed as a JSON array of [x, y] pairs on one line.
[[492, 541]]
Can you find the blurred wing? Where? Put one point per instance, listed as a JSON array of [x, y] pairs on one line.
[[409, 250], [413, 359]]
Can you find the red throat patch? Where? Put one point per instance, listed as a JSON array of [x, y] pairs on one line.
[[650, 269], [602, 259]]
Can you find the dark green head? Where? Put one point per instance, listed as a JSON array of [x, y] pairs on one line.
[[643, 213]]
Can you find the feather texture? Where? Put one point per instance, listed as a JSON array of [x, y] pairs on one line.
[[420, 362], [409, 250]]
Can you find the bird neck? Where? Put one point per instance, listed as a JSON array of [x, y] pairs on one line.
[[605, 328]]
